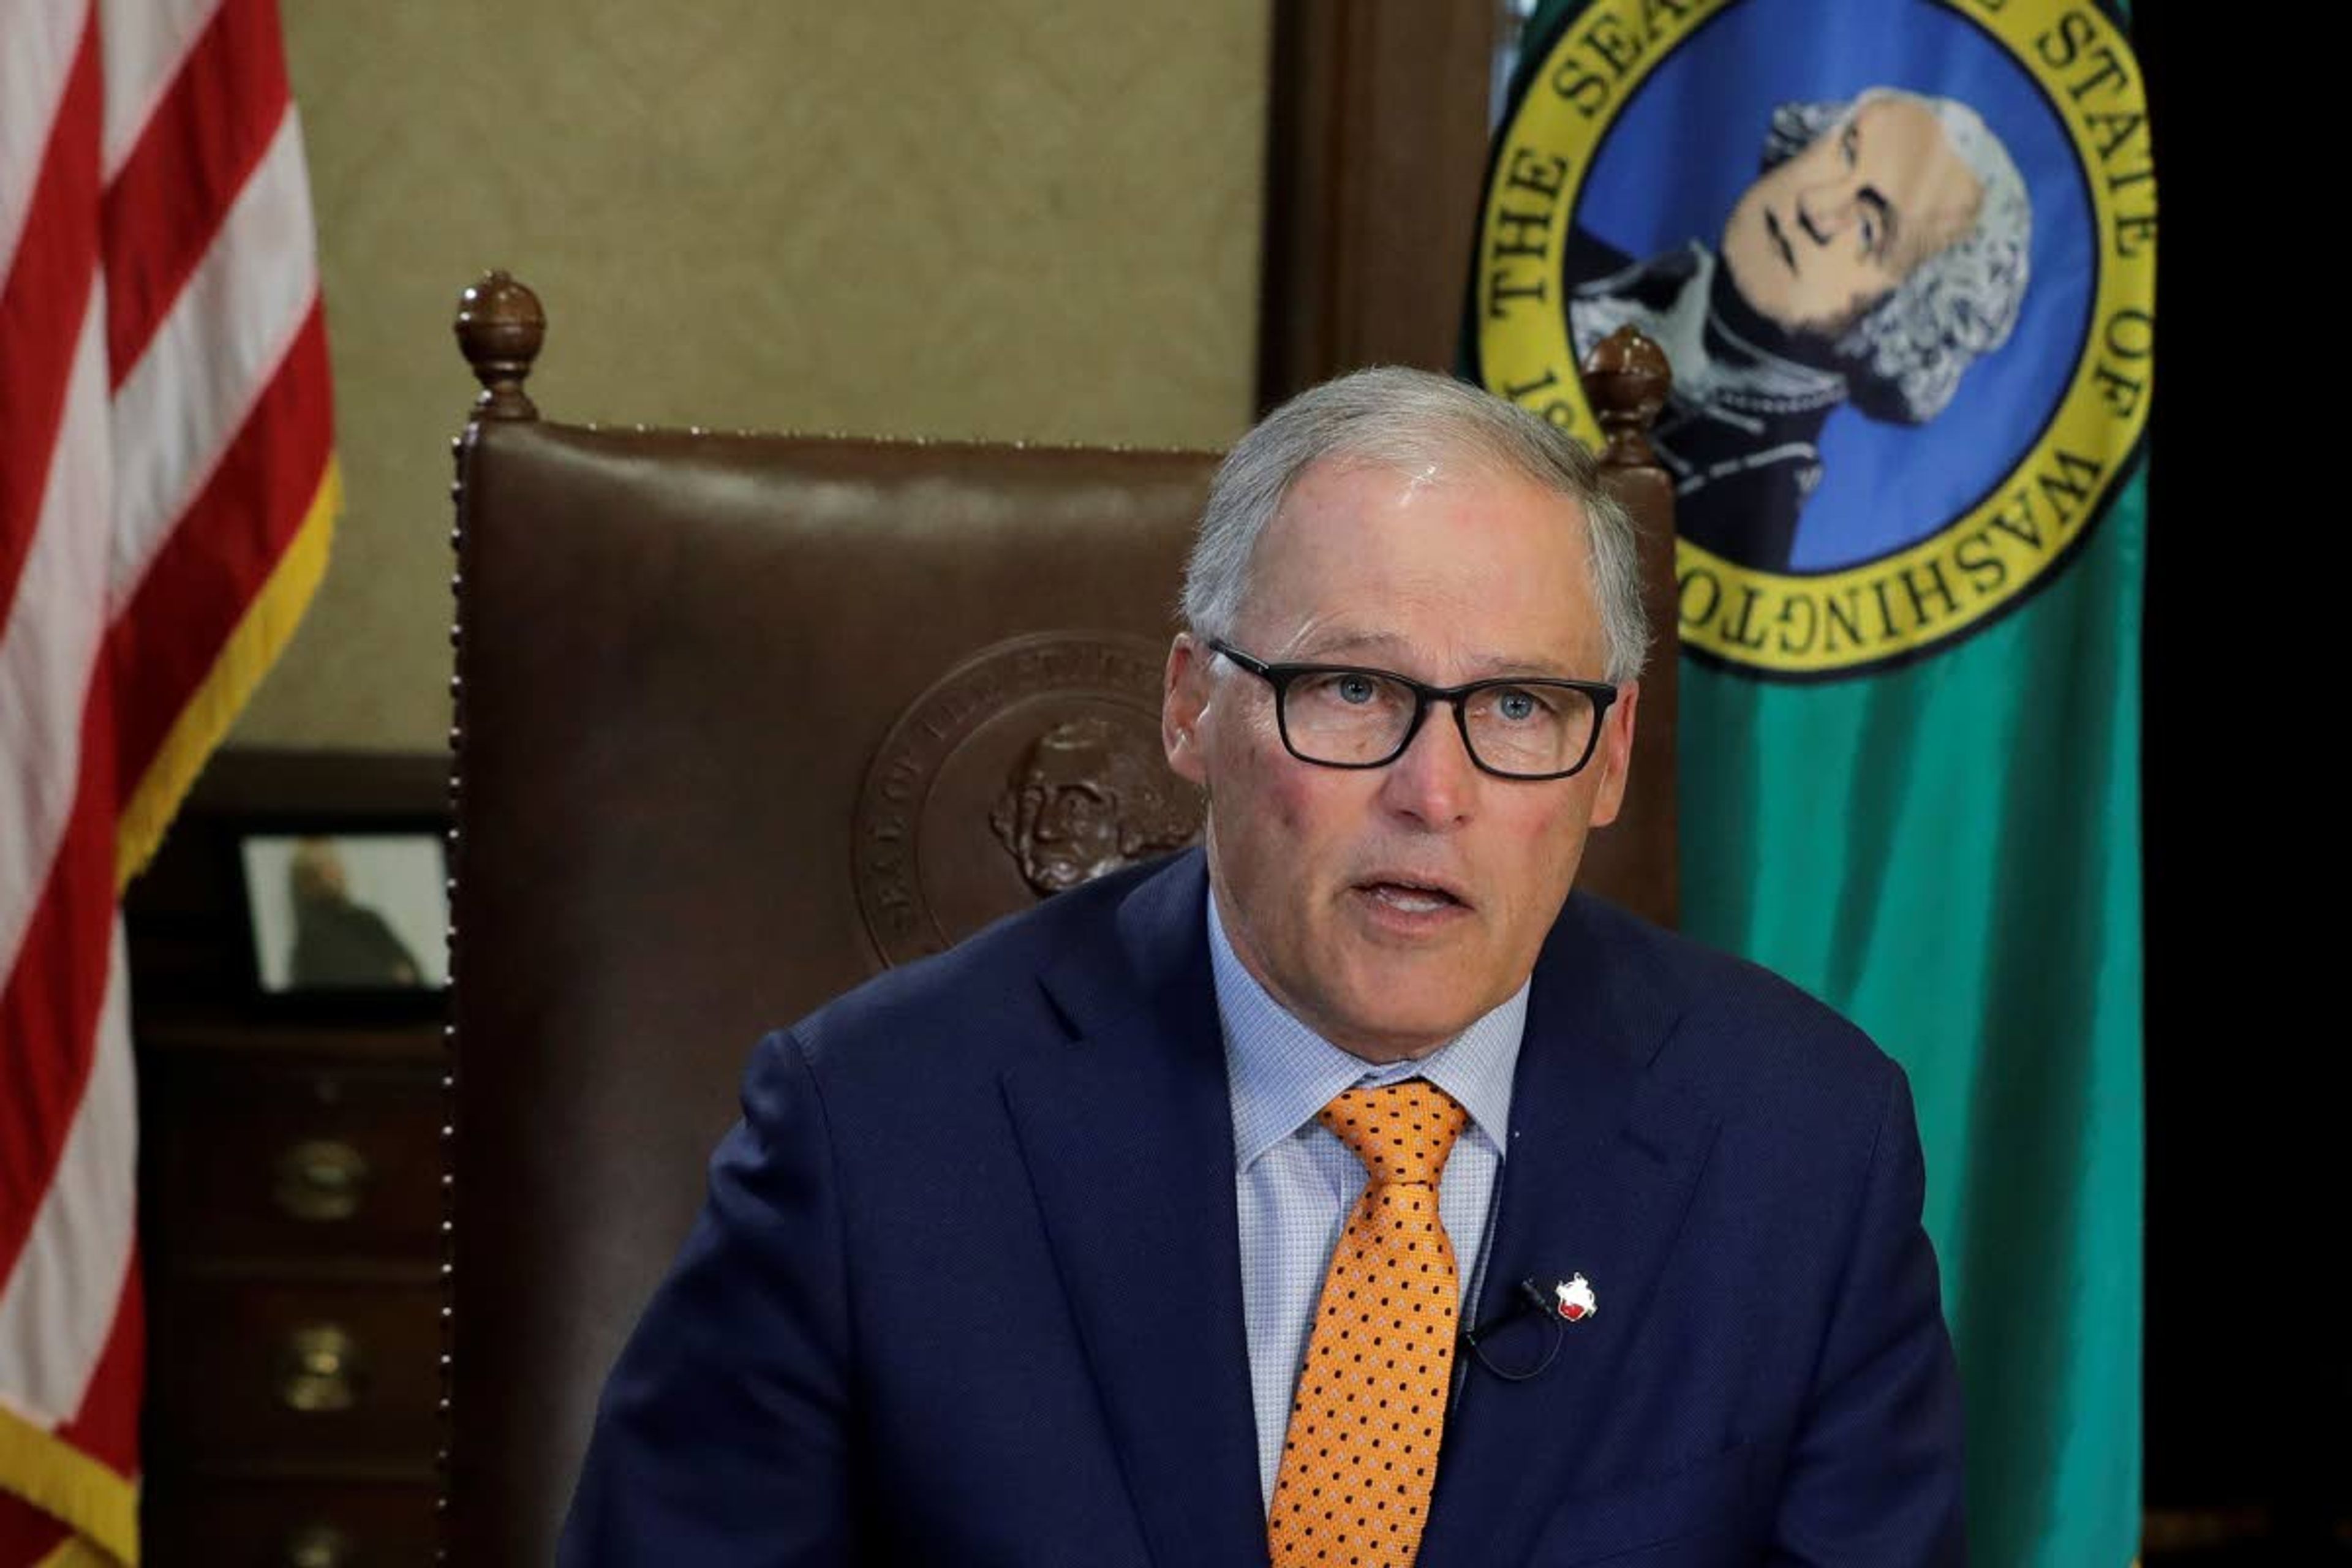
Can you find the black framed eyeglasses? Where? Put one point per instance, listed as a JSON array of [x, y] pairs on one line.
[[1514, 727]]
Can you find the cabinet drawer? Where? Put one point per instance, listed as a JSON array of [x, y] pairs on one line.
[[247, 1373], [271, 1160], [288, 1524]]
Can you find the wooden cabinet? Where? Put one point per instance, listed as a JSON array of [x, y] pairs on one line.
[[292, 1199]]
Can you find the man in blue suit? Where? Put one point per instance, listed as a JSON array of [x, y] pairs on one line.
[[1069, 1247]]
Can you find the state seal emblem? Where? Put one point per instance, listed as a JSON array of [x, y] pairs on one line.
[[1905, 284], [1030, 768]]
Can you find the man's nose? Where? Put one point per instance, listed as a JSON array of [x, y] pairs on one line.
[[1435, 781], [1826, 210]]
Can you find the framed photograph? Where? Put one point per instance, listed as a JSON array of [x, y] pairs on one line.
[[347, 912]]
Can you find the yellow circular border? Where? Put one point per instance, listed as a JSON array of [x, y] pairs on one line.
[[1845, 621]]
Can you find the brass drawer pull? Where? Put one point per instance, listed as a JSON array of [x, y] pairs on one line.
[[320, 1546], [321, 1368], [321, 1179]]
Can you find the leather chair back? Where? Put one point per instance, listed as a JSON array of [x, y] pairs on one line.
[[740, 720]]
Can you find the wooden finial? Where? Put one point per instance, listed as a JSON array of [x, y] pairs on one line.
[[1627, 377], [499, 327]]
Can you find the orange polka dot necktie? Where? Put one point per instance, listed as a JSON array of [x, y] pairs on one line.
[[1361, 1454]]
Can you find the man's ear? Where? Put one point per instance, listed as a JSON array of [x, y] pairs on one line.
[[1183, 705], [1614, 754]]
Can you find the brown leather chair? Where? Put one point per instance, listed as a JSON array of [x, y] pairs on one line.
[[740, 720]]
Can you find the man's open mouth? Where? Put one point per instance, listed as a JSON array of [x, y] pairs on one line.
[[1409, 897]]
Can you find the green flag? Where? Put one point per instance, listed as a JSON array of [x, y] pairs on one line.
[[1901, 255]]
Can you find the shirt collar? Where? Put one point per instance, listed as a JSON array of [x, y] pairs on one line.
[[1280, 1073]]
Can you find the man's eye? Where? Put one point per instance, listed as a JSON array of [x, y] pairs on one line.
[[1355, 689], [1518, 707]]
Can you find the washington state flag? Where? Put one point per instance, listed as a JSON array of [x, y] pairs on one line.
[[1901, 255]]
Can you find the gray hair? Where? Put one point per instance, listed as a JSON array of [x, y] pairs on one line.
[[1399, 418], [1911, 348]]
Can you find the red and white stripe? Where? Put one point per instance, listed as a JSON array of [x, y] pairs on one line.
[[166, 482]]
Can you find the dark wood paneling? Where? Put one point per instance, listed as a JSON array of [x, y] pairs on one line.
[[1376, 151]]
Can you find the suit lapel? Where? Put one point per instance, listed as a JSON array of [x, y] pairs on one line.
[[1128, 1136], [1604, 1158]]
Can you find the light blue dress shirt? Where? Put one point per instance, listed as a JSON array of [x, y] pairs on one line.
[[1294, 1181]]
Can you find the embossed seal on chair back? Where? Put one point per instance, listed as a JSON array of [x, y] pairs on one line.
[[1033, 766]]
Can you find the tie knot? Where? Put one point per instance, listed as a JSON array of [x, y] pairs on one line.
[[1402, 1131]]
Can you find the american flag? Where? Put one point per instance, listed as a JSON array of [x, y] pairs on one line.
[[167, 488]]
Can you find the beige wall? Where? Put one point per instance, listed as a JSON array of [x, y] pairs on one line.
[[1030, 218]]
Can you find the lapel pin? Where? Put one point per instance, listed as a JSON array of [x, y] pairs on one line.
[[1576, 1298]]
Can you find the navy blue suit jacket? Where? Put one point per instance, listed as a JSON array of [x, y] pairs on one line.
[[967, 1288]]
